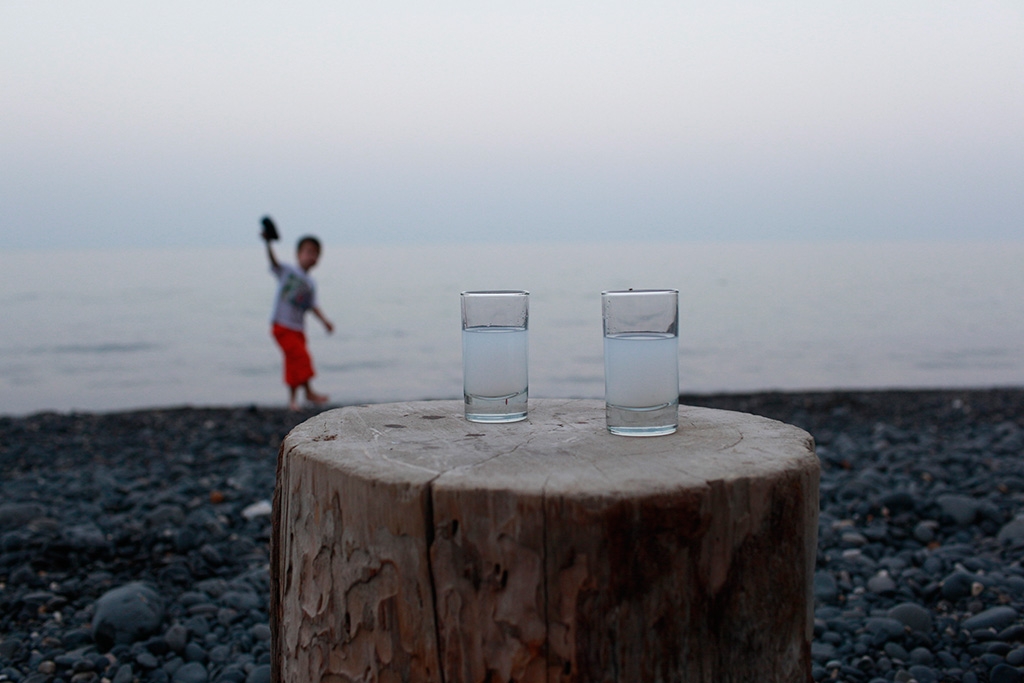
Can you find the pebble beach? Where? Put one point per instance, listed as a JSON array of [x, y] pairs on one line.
[[920, 540]]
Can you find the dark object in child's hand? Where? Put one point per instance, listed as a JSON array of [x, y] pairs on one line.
[[269, 229]]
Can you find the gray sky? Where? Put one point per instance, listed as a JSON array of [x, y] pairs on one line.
[[179, 124]]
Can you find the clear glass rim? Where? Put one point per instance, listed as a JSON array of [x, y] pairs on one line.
[[495, 292], [633, 292]]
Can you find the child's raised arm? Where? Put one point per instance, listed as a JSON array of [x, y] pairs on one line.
[[270, 253]]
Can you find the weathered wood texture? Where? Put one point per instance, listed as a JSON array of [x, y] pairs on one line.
[[411, 545]]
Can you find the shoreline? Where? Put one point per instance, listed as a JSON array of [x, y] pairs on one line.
[[920, 540], [725, 399]]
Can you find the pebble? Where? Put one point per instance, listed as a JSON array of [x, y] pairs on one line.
[[259, 674], [957, 585], [957, 509], [1012, 533], [177, 637], [912, 615], [1004, 673], [992, 618], [919, 574], [826, 590], [882, 583], [126, 614], [193, 672]]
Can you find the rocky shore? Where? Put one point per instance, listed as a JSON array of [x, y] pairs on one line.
[[134, 546]]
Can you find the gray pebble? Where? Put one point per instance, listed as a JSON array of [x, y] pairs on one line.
[[891, 628], [822, 652], [923, 674], [231, 674], [897, 651], [220, 654], [959, 510], [924, 532], [126, 614], [913, 615], [195, 653], [146, 660], [1004, 673], [173, 664], [259, 674], [124, 674], [260, 632], [882, 583], [1012, 532], [994, 617], [825, 588], [957, 585], [226, 616], [193, 672], [176, 637], [197, 625], [853, 539], [241, 602]]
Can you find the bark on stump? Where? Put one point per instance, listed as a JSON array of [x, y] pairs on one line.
[[412, 545]]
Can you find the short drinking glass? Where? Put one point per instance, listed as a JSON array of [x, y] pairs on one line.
[[641, 361], [494, 355]]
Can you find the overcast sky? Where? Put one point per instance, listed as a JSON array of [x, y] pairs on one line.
[[181, 124]]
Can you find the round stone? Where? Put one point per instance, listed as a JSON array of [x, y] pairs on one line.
[[923, 674], [176, 637], [260, 632], [1004, 673], [890, 628], [994, 617], [913, 615], [193, 672], [1012, 532], [882, 583], [126, 614], [260, 674], [826, 590], [957, 585], [959, 510]]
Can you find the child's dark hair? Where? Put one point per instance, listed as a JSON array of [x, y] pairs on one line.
[[308, 238]]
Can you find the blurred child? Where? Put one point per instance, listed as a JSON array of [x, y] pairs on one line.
[[296, 294]]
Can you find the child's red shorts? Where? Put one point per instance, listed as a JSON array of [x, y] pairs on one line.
[[298, 366]]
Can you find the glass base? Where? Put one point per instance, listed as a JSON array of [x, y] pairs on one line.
[[496, 409], [654, 421]]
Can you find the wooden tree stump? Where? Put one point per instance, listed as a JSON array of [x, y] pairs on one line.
[[412, 545]]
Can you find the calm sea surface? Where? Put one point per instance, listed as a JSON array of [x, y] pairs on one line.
[[109, 330]]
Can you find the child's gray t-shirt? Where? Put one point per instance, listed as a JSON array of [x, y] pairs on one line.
[[296, 294]]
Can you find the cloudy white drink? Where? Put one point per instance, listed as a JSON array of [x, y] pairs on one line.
[[641, 362], [495, 354]]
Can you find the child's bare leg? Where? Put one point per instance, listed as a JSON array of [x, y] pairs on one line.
[[293, 398], [313, 397]]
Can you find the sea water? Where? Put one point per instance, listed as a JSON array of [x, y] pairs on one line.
[[495, 373], [641, 383], [134, 328]]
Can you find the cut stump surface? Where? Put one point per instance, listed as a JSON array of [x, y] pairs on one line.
[[412, 545]]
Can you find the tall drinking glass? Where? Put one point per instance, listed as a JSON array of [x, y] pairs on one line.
[[641, 361], [494, 355]]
